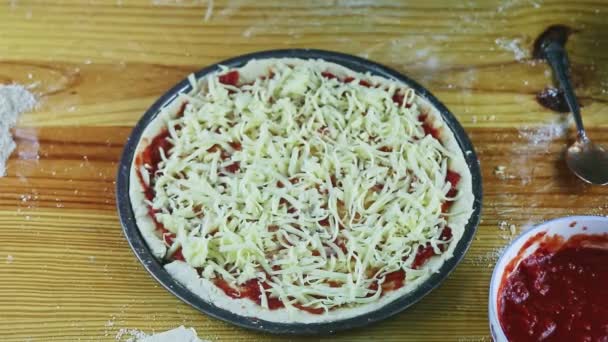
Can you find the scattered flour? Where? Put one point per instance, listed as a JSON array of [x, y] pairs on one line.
[[130, 335], [499, 172], [209, 11], [14, 100], [247, 33], [231, 7], [489, 258], [544, 134], [355, 3], [538, 140], [505, 227], [180, 334], [109, 324], [513, 45], [502, 226], [166, 2], [508, 232], [512, 229], [507, 4], [187, 3], [432, 63]]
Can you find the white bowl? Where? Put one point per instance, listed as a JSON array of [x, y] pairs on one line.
[[565, 227]]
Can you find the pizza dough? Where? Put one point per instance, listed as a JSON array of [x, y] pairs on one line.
[[203, 282]]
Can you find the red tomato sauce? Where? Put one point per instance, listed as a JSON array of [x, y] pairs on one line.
[[314, 311], [249, 290], [151, 156], [347, 79], [454, 178], [230, 78], [559, 292], [394, 281], [425, 253], [428, 127]]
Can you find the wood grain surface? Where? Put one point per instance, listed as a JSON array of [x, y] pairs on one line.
[[67, 273]]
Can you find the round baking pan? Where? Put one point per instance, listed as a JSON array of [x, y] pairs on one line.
[[155, 267]]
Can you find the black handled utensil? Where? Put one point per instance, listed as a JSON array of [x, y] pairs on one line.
[[584, 158]]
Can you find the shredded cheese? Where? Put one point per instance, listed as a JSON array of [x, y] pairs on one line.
[[316, 186]]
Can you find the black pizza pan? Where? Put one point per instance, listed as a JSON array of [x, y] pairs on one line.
[[155, 267]]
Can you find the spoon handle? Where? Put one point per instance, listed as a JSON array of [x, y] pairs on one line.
[[558, 59]]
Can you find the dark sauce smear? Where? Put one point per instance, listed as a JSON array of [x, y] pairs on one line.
[[553, 98]]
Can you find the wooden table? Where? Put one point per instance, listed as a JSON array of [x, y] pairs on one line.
[[67, 273]]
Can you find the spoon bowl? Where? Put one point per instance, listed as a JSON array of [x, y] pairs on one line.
[[588, 161]]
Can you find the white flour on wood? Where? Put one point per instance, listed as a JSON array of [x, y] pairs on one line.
[[513, 45], [209, 11], [545, 134], [14, 100], [180, 334]]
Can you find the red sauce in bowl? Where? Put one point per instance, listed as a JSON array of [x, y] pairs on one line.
[[559, 292]]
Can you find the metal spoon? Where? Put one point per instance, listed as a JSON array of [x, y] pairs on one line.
[[587, 160]]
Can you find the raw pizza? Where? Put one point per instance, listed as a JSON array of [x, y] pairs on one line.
[[297, 190]]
